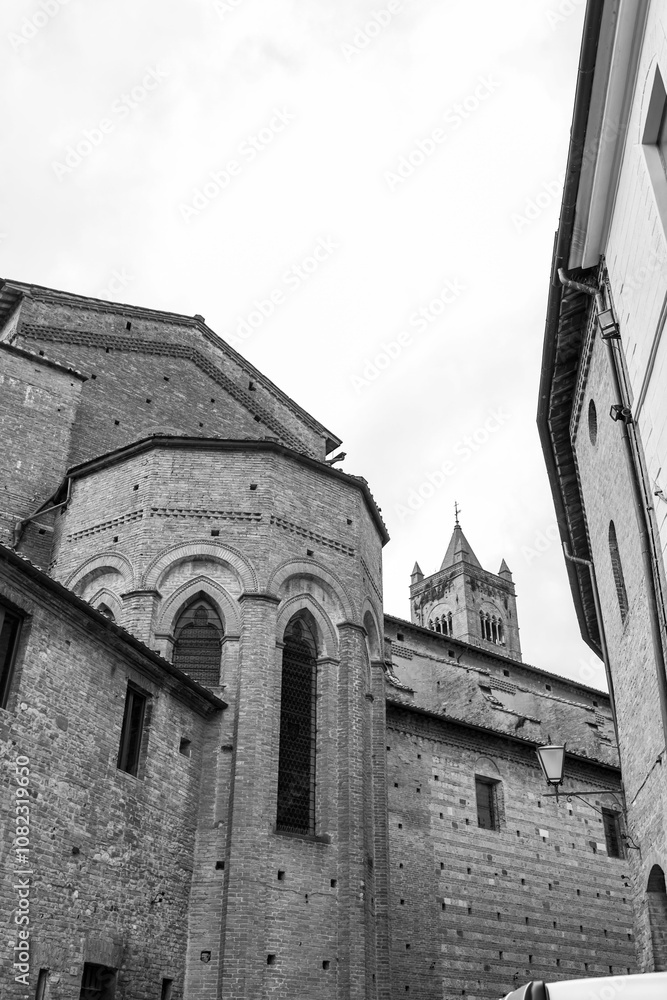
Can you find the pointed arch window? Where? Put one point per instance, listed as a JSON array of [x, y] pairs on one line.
[[296, 754], [617, 570], [198, 639]]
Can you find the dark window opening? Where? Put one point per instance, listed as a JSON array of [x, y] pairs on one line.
[[42, 979], [132, 732], [167, 985], [296, 756], [612, 833], [617, 570], [198, 644], [98, 982], [487, 803], [10, 625]]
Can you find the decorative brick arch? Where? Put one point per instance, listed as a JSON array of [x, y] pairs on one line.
[[656, 897], [113, 602], [314, 569], [105, 560], [172, 606], [200, 547], [375, 639], [327, 634]]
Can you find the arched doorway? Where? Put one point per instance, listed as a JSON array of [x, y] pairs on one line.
[[657, 913]]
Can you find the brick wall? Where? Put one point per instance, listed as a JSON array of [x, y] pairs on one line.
[[480, 912], [110, 854]]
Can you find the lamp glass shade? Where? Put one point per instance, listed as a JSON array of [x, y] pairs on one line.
[[551, 761], [606, 319]]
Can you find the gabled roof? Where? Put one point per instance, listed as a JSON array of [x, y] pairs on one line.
[[459, 550]]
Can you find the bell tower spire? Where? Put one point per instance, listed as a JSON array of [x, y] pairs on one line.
[[465, 601]]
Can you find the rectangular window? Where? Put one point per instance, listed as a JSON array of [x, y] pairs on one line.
[[487, 803], [166, 989], [612, 833], [10, 624], [133, 728], [98, 982]]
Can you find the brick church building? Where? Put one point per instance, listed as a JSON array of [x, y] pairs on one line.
[[229, 774]]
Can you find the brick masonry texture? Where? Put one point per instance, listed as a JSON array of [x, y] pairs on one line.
[[184, 863], [607, 495]]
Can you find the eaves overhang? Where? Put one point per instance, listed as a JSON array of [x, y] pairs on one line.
[[568, 313]]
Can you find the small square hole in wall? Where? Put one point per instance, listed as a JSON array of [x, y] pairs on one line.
[[135, 487], [309, 552], [184, 747], [117, 422], [257, 419], [251, 386], [270, 959], [548, 687], [212, 400], [402, 902], [419, 756], [333, 883], [148, 400], [253, 486], [450, 652], [220, 866], [128, 325], [166, 378], [115, 538], [442, 815], [325, 964], [215, 532], [595, 704], [281, 875], [349, 520], [93, 376], [506, 673], [400, 826]]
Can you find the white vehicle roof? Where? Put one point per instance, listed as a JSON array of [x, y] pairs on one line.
[[643, 986]]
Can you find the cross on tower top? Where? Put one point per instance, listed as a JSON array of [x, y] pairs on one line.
[[457, 511]]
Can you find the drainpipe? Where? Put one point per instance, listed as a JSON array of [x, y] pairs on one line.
[[19, 527], [643, 522]]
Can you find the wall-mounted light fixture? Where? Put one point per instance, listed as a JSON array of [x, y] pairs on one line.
[[552, 762], [608, 325], [618, 412]]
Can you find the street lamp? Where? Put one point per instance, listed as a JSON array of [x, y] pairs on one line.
[[552, 761]]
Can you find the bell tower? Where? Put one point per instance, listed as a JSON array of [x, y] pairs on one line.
[[466, 602]]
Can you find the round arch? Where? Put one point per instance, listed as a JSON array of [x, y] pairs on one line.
[[374, 641], [227, 607], [96, 565], [204, 548], [313, 569], [656, 896]]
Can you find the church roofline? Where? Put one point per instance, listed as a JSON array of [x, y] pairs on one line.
[[580, 758], [497, 657], [11, 293], [217, 444], [33, 572]]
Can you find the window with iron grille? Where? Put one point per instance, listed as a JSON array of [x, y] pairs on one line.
[[129, 752], [487, 803], [612, 833], [10, 625], [98, 982], [296, 761], [198, 637]]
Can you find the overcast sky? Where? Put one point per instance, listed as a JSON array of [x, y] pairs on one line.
[[361, 197]]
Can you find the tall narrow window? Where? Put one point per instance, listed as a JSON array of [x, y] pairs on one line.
[[617, 570], [296, 761], [9, 633], [198, 638], [42, 984], [657, 914], [487, 803], [131, 734], [612, 833]]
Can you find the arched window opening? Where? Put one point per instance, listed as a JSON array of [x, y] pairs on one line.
[[198, 637], [501, 633], [105, 610], [438, 624], [617, 570], [449, 624], [656, 893], [296, 754], [494, 630]]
